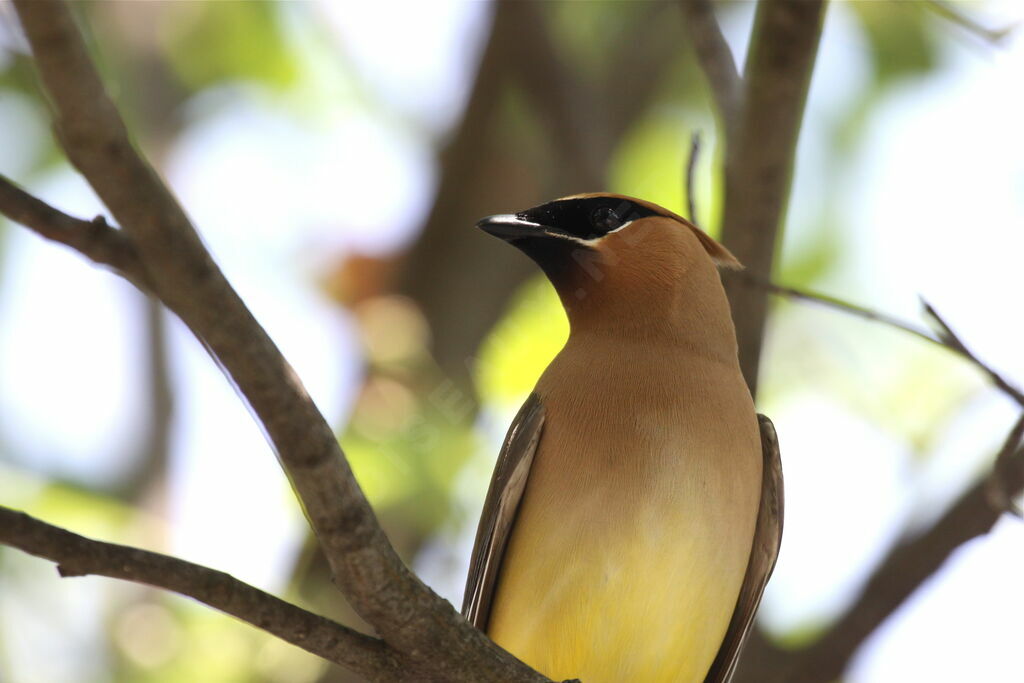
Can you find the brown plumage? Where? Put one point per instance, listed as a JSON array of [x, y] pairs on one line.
[[635, 511]]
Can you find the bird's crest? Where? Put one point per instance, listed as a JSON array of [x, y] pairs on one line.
[[721, 256]]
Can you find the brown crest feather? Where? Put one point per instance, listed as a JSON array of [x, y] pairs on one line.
[[722, 257]]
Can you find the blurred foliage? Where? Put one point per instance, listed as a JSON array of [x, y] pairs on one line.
[[17, 75], [18, 87], [815, 259], [217, 42], [66, 503], [408, 434], [411, 436], [583, 37], [406, 451], [903, 41], [515, 353], [651, 163], [905, 387]]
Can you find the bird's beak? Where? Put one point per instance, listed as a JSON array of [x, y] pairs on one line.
[[509, 227]]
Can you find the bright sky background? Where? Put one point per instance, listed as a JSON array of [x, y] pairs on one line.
[[938, 190]]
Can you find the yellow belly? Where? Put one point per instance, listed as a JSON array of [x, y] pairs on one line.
[[632, 538], [647, 598]]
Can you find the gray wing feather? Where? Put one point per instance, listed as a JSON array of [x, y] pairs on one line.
[[764, 553], [506, 490]]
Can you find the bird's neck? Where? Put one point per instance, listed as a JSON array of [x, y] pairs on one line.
[[690, 314]]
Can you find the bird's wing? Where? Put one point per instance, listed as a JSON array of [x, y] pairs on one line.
[[503, 496], [767, 539]]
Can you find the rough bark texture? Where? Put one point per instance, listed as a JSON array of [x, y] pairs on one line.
[[426, 631]]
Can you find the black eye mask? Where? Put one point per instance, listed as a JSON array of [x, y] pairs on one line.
[[586, 218]]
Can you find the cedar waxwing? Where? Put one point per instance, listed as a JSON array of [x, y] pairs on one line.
[[635, 512]]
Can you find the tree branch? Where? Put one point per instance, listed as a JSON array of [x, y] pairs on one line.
[[760, 150], [910, 563], [475, 161], [418, 624], [1000, 486], [148, 465], [94, 239], [110, 247], [79, 556], [951, 341], [715, 57], [691, 177], [761, 139], [840, 305], [488, 165], [559, 95], [994, 36], [761, 112], [905, 569], [644, 57], [585, 121], [946, 338], [186, 279]]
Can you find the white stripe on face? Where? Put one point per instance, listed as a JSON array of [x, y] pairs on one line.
[[585, 242]]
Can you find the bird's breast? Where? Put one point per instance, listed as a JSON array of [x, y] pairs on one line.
[[634, 532]]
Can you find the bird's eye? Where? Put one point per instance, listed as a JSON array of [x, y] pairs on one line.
[[605, 219]]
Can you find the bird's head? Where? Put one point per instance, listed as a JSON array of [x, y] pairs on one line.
[[618, 257]]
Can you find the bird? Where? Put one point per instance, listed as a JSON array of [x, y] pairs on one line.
[[635, 511]]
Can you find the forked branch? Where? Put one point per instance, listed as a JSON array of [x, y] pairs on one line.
[[79, 556], [417, 626]]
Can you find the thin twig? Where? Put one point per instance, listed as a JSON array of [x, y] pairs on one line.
[[187, 280], [760, 153], [94, 239], [691, 177], [80, 556], [758, 174], [412, 619], [716, 60], [839, 305], [149, 462], [946, 338], [905, 568], [113, 248], [952, 341], [953, 15], [999, 492]]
